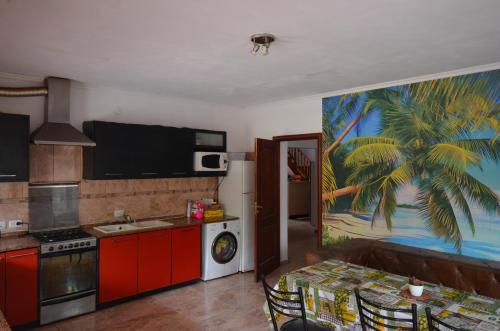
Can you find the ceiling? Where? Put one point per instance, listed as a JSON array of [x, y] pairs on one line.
[[201, 49]]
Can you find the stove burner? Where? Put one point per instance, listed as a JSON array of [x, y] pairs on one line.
[[61, 235]]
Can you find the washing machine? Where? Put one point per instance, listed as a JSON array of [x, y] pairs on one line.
[[220, 249]]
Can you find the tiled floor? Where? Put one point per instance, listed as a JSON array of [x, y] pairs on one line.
[[230, 303]]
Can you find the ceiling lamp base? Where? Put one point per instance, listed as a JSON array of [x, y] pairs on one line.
[[262, 42]]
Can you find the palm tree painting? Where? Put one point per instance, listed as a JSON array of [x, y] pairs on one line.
[[416, 164]]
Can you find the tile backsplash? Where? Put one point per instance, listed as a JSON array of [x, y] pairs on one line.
[[140, 198]]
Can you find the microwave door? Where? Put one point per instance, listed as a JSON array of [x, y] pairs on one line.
[[211, 161]]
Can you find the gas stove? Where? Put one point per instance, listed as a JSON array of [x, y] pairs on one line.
[[64, 240]]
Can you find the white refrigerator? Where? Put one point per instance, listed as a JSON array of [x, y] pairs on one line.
[[236, 194]]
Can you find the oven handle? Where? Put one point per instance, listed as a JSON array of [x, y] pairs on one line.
[[75, 251], [73, 296]]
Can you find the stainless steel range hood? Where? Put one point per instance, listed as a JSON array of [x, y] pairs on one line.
[[56, 129]]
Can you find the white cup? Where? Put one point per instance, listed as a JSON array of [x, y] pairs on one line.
[[416, 290]]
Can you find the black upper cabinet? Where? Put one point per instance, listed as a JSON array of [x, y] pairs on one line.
[[110, 158], [14, 147], [179, 152], [209, 141], [147, 151], [132, 151]]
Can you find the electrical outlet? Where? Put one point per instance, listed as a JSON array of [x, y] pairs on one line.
[[118, 213], [15, 223], [2, 225]]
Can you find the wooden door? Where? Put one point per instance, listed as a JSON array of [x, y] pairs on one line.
[[155, 258], [267, 207], [186, 254], [117, 267], [21, 278]]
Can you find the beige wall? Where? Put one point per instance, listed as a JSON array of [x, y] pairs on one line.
[[99, 198]]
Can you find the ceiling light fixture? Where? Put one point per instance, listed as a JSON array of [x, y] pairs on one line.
[[262, 42]]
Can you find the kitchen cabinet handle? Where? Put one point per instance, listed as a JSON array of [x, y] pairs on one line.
[[149, 173], [112, 174], [8, 175], [21, 255]]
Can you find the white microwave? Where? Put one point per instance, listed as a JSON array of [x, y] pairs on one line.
[[210, 161]]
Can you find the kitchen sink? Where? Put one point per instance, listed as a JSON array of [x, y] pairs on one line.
[[114, 228], [152, 224]]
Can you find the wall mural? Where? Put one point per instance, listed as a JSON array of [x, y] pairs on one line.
[[416, 164]]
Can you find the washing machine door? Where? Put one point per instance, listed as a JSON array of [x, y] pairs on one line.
[[224, 247]]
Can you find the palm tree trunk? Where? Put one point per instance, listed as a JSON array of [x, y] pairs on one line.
[[340, 192], [348, 128]]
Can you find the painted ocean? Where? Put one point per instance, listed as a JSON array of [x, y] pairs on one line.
[[483, 244]]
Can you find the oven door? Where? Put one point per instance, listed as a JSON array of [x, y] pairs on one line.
[[67, 273]]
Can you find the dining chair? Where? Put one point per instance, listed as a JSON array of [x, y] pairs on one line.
[[289, 304], [366, 308], [432, 321]]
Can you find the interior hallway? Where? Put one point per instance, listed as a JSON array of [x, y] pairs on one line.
[[229, 303]]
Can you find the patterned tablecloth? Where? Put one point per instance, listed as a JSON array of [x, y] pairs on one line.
[[329, 297]]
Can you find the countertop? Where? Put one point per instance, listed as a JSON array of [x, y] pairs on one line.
[[225, 218], [15, 242], [4, 326], [178, 222]]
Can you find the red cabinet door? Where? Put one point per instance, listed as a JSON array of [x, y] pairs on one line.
[[117, 267], [186, 254], [154, 260], [21, 277], [2, 282]]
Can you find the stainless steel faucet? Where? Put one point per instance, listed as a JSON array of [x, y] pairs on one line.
[[128, 218]]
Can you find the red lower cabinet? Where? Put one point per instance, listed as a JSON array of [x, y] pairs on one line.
[[186, 254], [2, 282], [21, 293], [117, 267], [154, 260]]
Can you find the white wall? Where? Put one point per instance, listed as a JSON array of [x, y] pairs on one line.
[[111, 104], [292, 116], [283, 201]]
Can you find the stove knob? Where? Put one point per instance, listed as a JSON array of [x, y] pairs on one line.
[[82, 244], [51, 248], [60, 247], [87, 243], [70, 246]]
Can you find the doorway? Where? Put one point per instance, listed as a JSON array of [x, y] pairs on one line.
[[273, 179], [300, 191]]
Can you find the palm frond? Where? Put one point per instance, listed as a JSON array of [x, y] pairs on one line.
[[476, 191], [436, 209], [452, 156], [487, 148], [328, 183], [373, 154]]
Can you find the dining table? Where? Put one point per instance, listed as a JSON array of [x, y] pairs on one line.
[[329, 298]]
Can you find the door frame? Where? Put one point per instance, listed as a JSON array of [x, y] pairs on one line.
[[318, 136]]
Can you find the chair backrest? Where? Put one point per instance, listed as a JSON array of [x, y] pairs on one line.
[[434, 322], [289, 304], [369, 318]]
